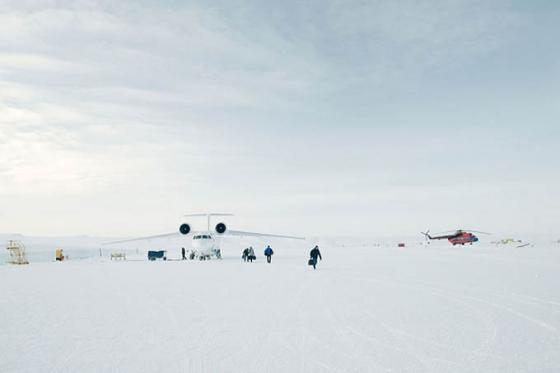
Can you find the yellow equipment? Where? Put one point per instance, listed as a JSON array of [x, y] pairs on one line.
[[59, 255]]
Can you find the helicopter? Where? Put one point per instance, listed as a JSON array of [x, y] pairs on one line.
[[457, 237]]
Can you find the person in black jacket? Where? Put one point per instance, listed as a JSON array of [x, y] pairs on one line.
[[314, 254], [183, 252]]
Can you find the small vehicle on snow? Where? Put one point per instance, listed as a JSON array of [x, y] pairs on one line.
[[153, 255]]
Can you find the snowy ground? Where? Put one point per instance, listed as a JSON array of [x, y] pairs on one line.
[[366, 309]]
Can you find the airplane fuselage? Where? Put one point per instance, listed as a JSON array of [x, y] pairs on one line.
[[205, 245]]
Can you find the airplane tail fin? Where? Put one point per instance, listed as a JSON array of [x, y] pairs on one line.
[[208, 216]]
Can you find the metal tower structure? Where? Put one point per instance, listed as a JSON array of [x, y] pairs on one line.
[[17, 252]]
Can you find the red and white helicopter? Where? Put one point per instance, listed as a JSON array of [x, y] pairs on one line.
[[457, 237]]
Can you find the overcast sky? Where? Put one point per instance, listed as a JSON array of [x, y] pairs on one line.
[[301, 117]]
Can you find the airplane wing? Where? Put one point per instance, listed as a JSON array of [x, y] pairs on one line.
[[144, 238], [252, 234]]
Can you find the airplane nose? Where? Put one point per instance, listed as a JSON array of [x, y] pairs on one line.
[[475, 239]]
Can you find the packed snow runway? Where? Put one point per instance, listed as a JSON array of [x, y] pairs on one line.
[[365, 309]]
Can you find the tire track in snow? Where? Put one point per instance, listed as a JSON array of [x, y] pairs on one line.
[[488, 323], [535, 321], [299, 298], [547, 305], [343, 332], [478, 299]]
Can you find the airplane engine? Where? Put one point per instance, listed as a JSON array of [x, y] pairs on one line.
[[185, 228], [221, 228]]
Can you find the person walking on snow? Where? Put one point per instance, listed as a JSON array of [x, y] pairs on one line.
[[245, 254], [183, 252], [314, 254], [251, 254], [268, 252]]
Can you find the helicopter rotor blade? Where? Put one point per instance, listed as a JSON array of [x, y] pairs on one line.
[[472, 230], [462, 230], [446, 232]]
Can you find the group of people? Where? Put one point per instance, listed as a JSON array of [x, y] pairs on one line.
[[184, 254], [248, 255]]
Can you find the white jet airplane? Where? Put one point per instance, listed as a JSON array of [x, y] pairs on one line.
[[206, 244]]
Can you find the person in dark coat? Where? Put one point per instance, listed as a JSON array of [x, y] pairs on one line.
[[268, 252], [183, 253], [251, 254], [314, 254], [245, 254]]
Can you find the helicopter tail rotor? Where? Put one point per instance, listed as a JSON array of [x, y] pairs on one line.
[[427, 234]]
